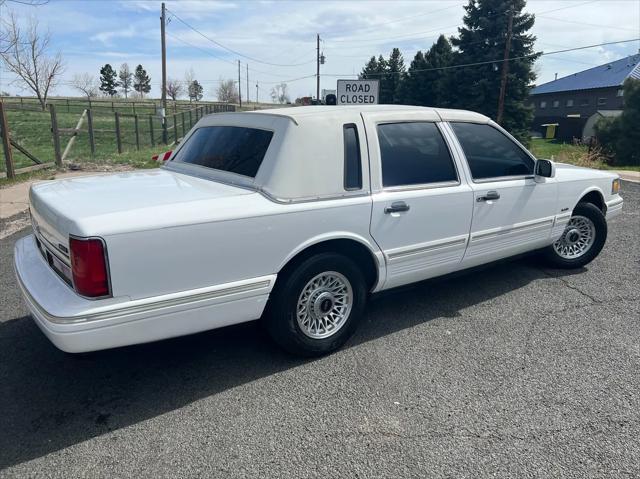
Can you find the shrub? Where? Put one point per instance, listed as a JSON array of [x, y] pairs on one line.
[[620, 137]]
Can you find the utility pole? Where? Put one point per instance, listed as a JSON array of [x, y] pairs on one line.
[[318, 67], [247, 83], [239, 86], [256, 93], [505, 69], [164, 74]]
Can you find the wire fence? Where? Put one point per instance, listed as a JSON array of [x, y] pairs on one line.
[[104, 105], [38, 139]]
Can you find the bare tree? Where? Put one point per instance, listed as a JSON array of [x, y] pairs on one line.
[[227, 91], [189, 77], [126, 79], [86, 84], [7, 41], [27, 57], [174, 88], [279, 93]]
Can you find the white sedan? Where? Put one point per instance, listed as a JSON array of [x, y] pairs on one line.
[[296, 216]]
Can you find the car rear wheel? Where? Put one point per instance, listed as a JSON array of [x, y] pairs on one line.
[[316, 306], [582, 239]]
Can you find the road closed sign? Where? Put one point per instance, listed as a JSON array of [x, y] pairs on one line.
[[357, 92]]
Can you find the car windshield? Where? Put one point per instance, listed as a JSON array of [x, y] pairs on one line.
[[234, 149]]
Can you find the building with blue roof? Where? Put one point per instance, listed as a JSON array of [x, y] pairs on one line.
[[576, 101]]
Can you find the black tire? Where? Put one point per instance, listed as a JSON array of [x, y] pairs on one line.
[[281, 319], [593, 213]]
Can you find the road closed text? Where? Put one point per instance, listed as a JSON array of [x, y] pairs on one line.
[[357, 92]]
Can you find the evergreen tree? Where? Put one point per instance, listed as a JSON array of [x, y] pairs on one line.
[[438, 82], [370, 70], [376, 69], [390, 82], [195, 91], [142, 82], [483, 38], [411, 87], [126, 78], [382, 68], [108, 80]]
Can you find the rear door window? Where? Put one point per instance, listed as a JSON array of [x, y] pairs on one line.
[[235, 149], [414, 153], [490, 153], [352, 161]]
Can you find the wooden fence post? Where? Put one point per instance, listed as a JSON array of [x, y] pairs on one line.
[[153, 142], [118, 139], [184, 132], [165, 135], [92, 139], [6, 143], [56, 135], [134, 107], [175, 127], [68, 108], [135, 123]]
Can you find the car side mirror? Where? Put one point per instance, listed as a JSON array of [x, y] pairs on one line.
[[544, 169]]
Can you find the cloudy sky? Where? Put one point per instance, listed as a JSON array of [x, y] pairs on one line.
[[277, 38]]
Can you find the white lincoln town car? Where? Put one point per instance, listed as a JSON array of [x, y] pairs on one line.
[[295, 216]]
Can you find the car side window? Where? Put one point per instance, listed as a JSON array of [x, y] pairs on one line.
[[414, 153], [352, 160], [490, 153]]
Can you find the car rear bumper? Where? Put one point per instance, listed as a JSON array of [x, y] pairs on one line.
[[614, 207], [75, 324]]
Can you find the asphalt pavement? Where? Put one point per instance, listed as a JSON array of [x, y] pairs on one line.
[[513, 370]]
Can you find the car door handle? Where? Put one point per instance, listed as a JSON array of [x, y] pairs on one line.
[[396, 207], [490, 196]]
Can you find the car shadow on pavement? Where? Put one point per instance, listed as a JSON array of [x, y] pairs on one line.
[[51, 400]]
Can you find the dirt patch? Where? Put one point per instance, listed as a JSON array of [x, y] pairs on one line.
[[14, 223]]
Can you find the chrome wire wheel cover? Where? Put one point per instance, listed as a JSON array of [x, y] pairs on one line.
[[324, 305], [577, 239]]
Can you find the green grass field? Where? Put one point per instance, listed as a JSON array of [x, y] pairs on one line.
[[575, 154], [30, 127]]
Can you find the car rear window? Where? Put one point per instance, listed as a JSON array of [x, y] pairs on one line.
[[234, 149]]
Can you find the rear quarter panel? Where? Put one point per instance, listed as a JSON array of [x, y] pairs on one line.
[[153, 262]]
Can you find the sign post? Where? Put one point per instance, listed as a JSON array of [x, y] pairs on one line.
[[358, 92]]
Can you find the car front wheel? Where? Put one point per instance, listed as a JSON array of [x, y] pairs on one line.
[[316, 306], [582, 239]]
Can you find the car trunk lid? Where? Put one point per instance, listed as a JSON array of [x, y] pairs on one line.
[[59, 208]]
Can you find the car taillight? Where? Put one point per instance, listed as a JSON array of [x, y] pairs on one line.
[[89, 267]]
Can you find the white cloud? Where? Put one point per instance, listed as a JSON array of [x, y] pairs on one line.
[[106, 37]]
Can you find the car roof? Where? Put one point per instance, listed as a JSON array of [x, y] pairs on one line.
[[299, 112]]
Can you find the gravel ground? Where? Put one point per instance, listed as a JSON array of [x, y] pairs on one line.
[[512, 371]]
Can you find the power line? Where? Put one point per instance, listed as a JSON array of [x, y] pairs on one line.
[[412, 36], [588, 24], [401, 19], [208, 52], [232, 50], [201, 49], [489, 62]]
